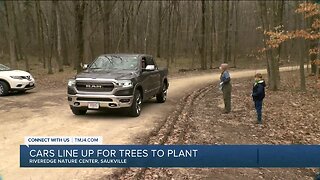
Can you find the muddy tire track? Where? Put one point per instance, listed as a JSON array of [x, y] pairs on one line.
[[173, 130]]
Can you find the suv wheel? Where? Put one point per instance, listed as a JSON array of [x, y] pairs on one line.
[[4, 88], [135, 108], [162, 96], [77, 111]]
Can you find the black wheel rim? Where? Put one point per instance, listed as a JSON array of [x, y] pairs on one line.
[[138, 103], [165, 92], [1, 90]]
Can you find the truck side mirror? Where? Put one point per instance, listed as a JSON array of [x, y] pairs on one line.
[[85, 66], [150, 68]]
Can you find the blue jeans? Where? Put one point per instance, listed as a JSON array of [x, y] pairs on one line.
[[258, 106]]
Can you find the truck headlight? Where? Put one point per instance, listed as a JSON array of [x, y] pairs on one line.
[[71, 82], [124, 83], [16, 77]]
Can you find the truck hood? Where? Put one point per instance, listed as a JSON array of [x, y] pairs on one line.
[[108, 74]]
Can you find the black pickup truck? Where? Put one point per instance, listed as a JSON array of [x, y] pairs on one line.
[[117, 81]]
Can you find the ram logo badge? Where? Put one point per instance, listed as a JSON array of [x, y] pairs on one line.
[[93, 86]]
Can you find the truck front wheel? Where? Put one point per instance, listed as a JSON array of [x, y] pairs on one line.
[[77, 111], [135, 108], [162, 96]]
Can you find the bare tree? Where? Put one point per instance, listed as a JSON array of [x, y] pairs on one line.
[[79, 18], [236, 34], [41, 44], [27, 13], [106, 10], [64, 37], [169, 33], [226, 34], [313, 57], [300, 48], [160, 17], [203, 34], [58, 33], [11, 32], [271, 54], [147, 27]]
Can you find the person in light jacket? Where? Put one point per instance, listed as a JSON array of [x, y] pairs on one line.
[[226, 87]]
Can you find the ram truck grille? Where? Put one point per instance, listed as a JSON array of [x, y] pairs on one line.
[[94, 86]]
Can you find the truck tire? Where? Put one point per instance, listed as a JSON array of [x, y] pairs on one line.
[[162, 96], [77, 111], [135, 108], [4, 88]]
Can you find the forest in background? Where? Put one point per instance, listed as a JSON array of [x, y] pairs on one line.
[[69, 33]]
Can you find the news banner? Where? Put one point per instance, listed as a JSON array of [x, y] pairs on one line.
[[85, 151]]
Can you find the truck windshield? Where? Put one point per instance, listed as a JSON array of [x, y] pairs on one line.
[[115, 62], [4, 68]]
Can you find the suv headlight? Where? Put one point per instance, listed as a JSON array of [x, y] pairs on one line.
[[71, 82], [16, 77], [124, 83]]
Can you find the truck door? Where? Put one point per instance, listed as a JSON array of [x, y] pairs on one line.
[[154, 76], [146, 78]]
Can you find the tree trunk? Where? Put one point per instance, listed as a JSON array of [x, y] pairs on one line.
[[216, 35], [146, 34], [87, 29], [159, 28], [317, 64], [313, 57], [278, 16], [58, 36], [29, 35], [53, 36], [122, 32], [41, 44], [172, 27], [129, 14], [212, 35], [106, 10], [64, 47], [273, 64], [11, 33], [175, 28], [169, 34], [226, 35], [106, 31], [19, 52], [230, 29], [301, 66], [300, 48], [203, 28], [79, 18], [236, 36]]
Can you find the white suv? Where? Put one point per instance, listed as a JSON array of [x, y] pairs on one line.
[[14, 80]]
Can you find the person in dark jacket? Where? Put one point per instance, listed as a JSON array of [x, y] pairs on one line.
[[258, 94], [226, 87], [317, 177]]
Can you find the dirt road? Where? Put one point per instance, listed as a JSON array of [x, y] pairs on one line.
[[46, 113]]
